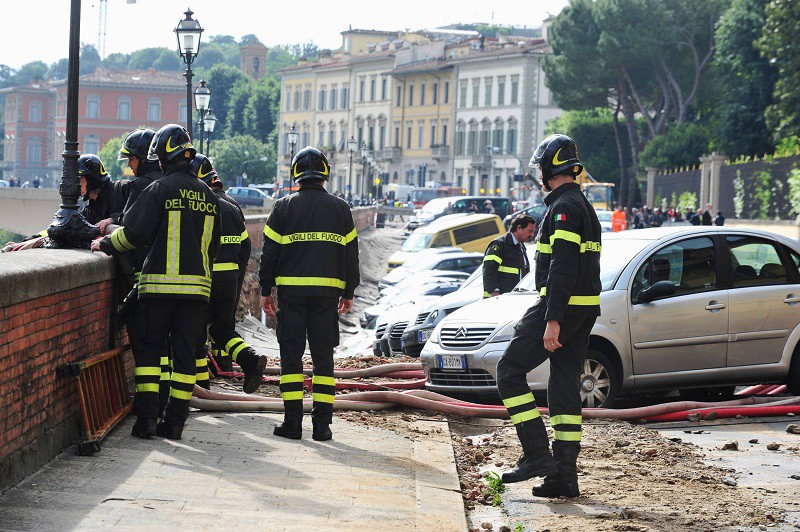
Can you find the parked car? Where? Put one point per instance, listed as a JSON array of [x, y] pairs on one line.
[[460, 262], [412, 281], [247, 196], [414, 292], [3, 183], [604, 217], [535, 211], [694, 308], [471, 232]]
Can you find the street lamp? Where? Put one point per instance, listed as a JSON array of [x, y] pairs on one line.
[[351, 149], [363, 180], [292, 136], [202, 96], [69, 228], [188, 32], [208, 126]]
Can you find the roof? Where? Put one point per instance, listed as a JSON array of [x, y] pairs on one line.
[[140, 78]]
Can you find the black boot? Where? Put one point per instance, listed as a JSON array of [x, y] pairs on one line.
[[253, 367], [169, 431], [564, 482], [290, 428], [528, 466], [145, 427], [224, 362], [322, 431]]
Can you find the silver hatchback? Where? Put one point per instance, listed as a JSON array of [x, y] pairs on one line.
[[693, 308]]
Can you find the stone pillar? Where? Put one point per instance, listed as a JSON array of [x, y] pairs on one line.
[[705, 182], [651, 186], [716, 160]]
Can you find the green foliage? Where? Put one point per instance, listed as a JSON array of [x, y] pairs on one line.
[[223, 80], [159, 58], [261, 110], [109, 153], [35, 70], [593, 132], [794, 191], [738, 194], [762, 195], [686, 200], [748, 79], [778, 43], [788, 146], [519, 528], [8, 236], [89, 59], [496, 487], [240, 154], [682, 145], [279, 58]]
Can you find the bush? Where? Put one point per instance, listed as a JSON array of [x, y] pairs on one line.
[[683, 145]]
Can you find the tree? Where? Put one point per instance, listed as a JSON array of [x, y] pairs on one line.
[[279, 58], [109, 154], [33, 71], [223, 80], [59, 69], [89, 59], [240, 154], [748, 78], [168, 60], [147, 57], [237, 102], [116, 61], [261, 111], [779, 44], [681, 145]]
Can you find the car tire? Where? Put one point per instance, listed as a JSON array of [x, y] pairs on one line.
[[599, 380], [719, 393], [793, 378]]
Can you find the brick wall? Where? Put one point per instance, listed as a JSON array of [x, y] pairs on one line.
[[55, 308]]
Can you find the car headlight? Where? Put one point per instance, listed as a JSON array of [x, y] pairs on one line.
[[433, 316], [435, 334], [505, 334]]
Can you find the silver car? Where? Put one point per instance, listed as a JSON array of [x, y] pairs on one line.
[[700, 309]]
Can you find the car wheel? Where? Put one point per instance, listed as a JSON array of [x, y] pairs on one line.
[[720, 393], [793, 378], [599, 381]]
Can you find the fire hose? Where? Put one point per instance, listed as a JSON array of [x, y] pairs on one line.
[[426, 400]]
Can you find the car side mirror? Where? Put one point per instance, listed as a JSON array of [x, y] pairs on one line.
[[657, 291]]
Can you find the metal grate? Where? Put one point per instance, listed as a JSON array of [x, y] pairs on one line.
[[472, 377], [380, 331], [465, 336], [103, 393], [421, 318], [396, 333]]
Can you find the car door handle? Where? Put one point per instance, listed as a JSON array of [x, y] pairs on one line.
[[792, 300], [713, 306]]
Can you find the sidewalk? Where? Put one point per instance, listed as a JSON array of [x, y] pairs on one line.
[[230, 471]]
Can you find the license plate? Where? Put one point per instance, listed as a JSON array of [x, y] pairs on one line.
[[452, 362], [424, 336]]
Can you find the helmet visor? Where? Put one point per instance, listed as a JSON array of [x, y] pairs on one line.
[[124, 154], [314, 165]]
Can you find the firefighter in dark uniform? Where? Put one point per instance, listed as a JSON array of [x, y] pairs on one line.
[[177, 216], [505, 261], [557, 327], [311, 254], [106, 198], [228, 273]]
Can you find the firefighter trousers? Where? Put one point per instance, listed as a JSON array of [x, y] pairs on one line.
[[525, 352], [316, 318], [159, 323], [225, 341]]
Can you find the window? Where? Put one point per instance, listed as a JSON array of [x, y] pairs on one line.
[[755, 262], [462, 94], [446, 92], [397, 136], [474, 232], [331, 137], [321, 99], [91, 144], [288, 93], [33, 153], [333, 98], [372, 89], [408, 137], [433, 134], [690, 265], [296, 98], [307, 98], [497, 138], [124, 108], [420, 133], [459, 143], [92, 107], [182, 116], [35, 112], [371, 139], [422, 94], [410, 95], [435, 95], [399, 96], [476, 90], [472, 142], [442, 240], [444, 132], [320, 135], [359, 136], [361, 90], [514, 89], [487, 93], [501, 90], [154, 110], [382, 137], [256, 65], [384, 88], [345, 97], [511, 139]]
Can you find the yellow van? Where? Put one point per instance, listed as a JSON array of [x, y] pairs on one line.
[[470, 232]]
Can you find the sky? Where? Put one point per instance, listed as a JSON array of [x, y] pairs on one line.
[[39, 29]]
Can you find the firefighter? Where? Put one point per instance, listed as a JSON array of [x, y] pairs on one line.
[[106, 198], [557, 327], [311, 254], [505, 261], [177, 216], [229, 269]]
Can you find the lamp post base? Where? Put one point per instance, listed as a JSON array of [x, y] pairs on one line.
[[69, 229]]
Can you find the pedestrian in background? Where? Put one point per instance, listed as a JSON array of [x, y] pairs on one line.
[[720, 219], [557, 327], [311, 254], [706, 218], [505, 261]]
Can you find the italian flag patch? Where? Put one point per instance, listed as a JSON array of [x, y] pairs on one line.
[[561, 217]]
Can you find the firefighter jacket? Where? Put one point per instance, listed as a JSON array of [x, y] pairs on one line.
[[310, 246], [567, 258], [504, 265], [135, 189], [178, 217], [110, 202], [234, 250]]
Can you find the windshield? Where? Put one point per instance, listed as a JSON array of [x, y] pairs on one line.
[[417, 242], [422, 195], [604, 216], [433, 207], [616, 253]]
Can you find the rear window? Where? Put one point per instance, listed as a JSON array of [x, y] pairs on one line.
[[475, 232]]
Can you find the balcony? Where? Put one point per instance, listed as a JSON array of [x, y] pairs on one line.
[[391, 154], [481, 161], [440, 153]]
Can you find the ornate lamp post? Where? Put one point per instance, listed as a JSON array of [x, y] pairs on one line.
[[188, 32], [363, 180], [208, 126], [69, 228], [202, 96], [351, 149]]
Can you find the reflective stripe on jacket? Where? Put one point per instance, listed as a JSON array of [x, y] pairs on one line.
[[502, 267]]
